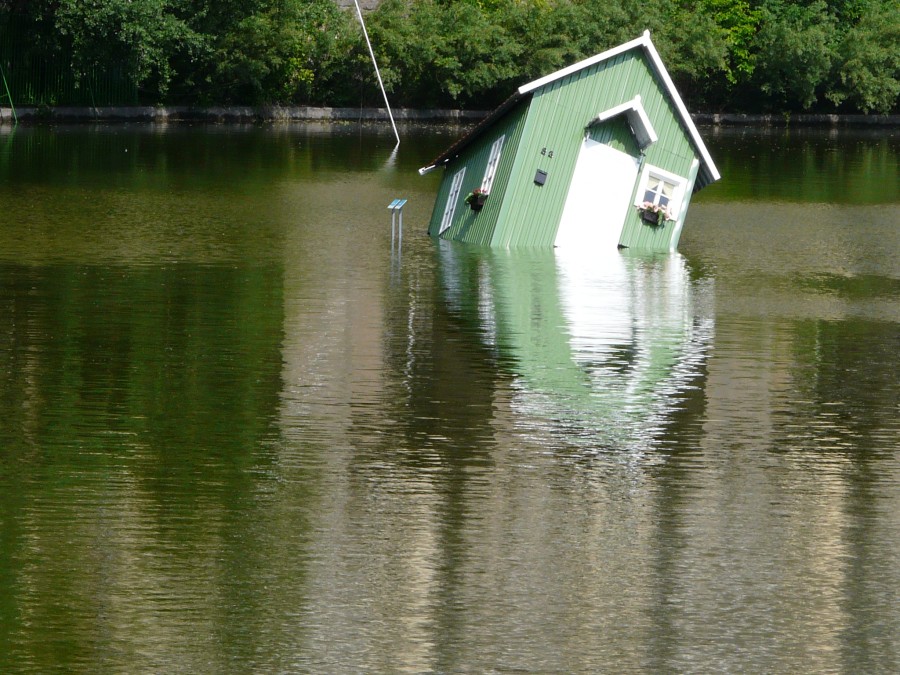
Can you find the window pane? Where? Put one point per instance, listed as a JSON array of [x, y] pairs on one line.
[[451, 200], [662, 189], [491, 170]]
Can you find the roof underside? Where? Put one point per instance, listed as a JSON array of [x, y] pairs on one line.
[[640, 124], [708, 172], [475, 132]]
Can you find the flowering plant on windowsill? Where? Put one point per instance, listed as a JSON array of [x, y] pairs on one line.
[[476, 198], [654, 213]]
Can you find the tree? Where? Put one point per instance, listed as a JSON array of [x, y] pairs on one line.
[[795, 49], [740, 22], [140, 36], [869, 61], [442, 54], [740, 55], [279, 51]]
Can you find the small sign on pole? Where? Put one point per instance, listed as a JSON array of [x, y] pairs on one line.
[[396, 209]]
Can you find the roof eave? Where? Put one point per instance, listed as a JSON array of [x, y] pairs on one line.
[[460, 145], [679, 104], [575, 67]]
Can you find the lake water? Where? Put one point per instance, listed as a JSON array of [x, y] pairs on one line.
[[242, 430]]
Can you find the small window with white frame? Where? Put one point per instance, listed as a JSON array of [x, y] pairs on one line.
[[661, 188], [493, 161], [452, 198]]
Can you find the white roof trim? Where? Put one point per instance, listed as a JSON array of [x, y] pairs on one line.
[[640, 123], [575, 67], [676, 97], [645, 42]]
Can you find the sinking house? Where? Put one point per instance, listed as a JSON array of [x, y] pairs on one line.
[[600, 154]]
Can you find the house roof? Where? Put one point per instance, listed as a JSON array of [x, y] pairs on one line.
[[708, 171], [474, 133]]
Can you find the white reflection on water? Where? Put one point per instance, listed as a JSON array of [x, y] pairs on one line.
[[600, 344]]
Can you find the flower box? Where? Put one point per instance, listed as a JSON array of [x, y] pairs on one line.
[[651, 217], [476, 199], [654, 214]]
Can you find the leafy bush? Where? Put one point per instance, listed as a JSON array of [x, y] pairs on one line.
[[736, 55]]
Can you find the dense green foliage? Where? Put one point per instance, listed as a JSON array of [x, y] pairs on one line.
[[732, 55]]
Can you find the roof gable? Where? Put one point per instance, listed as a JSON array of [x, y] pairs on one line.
[[708, 168], [644, 42]]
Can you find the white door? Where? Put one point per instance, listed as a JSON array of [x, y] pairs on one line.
[[599, 197]]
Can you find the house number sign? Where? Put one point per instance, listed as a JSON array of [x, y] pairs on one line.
[[547, 153]]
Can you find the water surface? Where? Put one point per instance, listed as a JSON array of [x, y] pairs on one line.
[[242, 430]]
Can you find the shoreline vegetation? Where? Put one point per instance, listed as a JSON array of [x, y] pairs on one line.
[[759, 57], [280, 114]]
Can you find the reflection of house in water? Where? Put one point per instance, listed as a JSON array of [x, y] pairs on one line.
[[600, 349]]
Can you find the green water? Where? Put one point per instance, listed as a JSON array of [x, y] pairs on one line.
[[244, 430]]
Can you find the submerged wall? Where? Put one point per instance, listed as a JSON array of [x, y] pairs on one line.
[[231, 114], [296, 113]]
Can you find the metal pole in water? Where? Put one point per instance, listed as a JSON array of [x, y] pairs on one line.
[[393, 223], [377, 73], [9, 96], [396, 209]]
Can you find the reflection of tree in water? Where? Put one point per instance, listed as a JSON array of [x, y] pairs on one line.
[[444, 373], [850, 392], [138, 406]]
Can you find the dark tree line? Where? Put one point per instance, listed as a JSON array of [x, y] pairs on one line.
[[724, 55]]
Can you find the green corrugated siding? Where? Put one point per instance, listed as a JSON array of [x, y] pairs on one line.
[[468, 225], [679, 226], [559, 113], [556, 122], [640, 235], [673, 152], [616, 133]]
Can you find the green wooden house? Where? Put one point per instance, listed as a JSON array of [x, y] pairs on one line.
[[600, 154]]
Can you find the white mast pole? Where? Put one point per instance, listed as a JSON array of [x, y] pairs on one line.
[[377, 74]]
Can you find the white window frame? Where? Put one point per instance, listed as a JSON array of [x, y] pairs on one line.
[[680, 183], [452, 198], [493, 161]]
